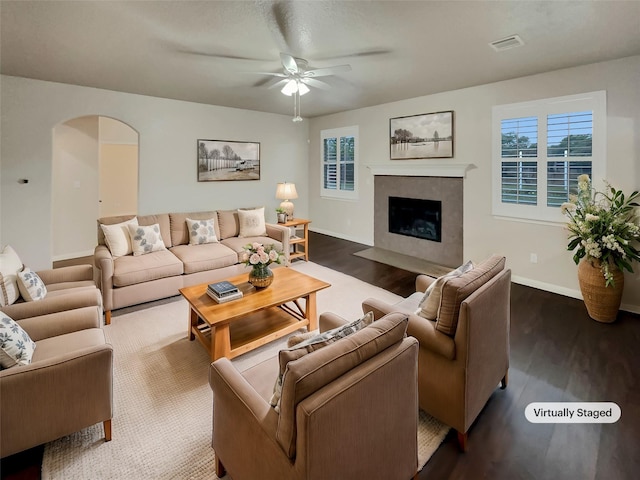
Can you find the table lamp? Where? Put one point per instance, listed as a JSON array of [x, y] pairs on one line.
[[286, 191]]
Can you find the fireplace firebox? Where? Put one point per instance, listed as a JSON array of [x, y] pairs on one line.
[[415, 217]]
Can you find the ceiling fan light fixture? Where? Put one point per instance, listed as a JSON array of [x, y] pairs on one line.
[[302, 88], [290, 88]]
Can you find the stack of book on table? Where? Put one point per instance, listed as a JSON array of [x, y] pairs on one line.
[[223, 291]]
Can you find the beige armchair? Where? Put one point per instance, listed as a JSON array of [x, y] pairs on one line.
[[67, 386], [68, 288], [348, 410], [459, 370]]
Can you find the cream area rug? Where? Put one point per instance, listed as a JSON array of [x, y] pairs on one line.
[[162, 399]]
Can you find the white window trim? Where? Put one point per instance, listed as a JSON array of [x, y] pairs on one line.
[[352, 131], [594, 101]]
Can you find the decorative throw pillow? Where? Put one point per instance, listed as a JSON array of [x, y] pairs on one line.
[[10, 265], [201, 231], [117, 237], [430, 303], [145, 239], [31, 286], [252, 223], [308, 344], [16, 348]]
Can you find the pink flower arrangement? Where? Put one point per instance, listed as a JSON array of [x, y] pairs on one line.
[[257, 254]]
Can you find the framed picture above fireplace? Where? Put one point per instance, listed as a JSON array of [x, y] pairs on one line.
[[429, 135]]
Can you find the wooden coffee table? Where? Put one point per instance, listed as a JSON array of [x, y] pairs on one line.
[[259, 317]]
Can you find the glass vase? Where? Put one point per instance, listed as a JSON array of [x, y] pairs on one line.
[[260, 276]]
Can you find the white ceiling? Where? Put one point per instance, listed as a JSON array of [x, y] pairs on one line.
[[205, 51]]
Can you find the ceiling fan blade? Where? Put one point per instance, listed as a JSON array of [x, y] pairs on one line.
[[289, 63], [278, 84], [365, 53], [282, 75], [323, 72], [316, 83]]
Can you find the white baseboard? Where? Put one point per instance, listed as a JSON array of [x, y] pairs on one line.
[[342, 236], [69, 256], [567, 292]]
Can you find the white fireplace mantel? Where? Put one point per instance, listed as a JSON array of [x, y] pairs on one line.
[[423, 170]]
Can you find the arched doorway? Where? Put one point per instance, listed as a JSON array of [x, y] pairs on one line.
[[94, 174]]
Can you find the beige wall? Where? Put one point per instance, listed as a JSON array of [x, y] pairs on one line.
[[118, 179], [483, 233], [74, 198], [168, 130]]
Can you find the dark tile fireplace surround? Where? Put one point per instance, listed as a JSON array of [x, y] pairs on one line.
[[447, 190]]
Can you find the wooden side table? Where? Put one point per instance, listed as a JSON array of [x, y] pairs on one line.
[[300, 242]]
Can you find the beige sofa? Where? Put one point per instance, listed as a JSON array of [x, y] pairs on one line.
[[130, 280], [348, 410]]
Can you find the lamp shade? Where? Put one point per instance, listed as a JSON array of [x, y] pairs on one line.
[[286, 191]]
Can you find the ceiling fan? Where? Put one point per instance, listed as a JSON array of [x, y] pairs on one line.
[[296, 78]]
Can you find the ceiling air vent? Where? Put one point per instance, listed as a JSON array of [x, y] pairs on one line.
[[507, 43]]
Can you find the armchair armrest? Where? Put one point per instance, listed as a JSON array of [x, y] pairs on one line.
[[60, 323], [75, 273], [378, 307], [241, 416], [423, 282], [85, 297], [430, 338], [329, 321]]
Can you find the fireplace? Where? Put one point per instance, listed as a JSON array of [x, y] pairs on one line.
[[416, 217], [444, 193]]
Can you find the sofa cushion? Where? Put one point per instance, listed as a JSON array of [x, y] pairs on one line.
[[32, 288], [200, 258], [16, 348], [202, 231], [129, 270], [237, 244], [308, 374], [430, 303], [456, 289], [228, 223], [10, 265], [117, 237], [145, 239], [161, 219], [180, 229], [252, 223]]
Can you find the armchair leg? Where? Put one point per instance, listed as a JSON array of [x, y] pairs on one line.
[[462, 441], [220, 470], [107, 430], [505, 380], [107, 317]]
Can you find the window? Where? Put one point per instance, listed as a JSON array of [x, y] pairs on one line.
[[540, 148], [339, 163]]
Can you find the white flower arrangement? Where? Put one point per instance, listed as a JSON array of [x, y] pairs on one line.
[[257, 254], [603, 226]]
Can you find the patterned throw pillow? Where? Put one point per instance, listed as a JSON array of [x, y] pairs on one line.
[[252, 223], [31, 286], [145, 239], [10, 265], [430, 303], [117, 237], [201, 231], [16, 348], [308, 345]]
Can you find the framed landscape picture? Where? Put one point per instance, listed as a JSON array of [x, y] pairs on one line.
[[429, 135], [224, 160]]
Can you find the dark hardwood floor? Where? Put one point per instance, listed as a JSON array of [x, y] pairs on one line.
[[557, 354]]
